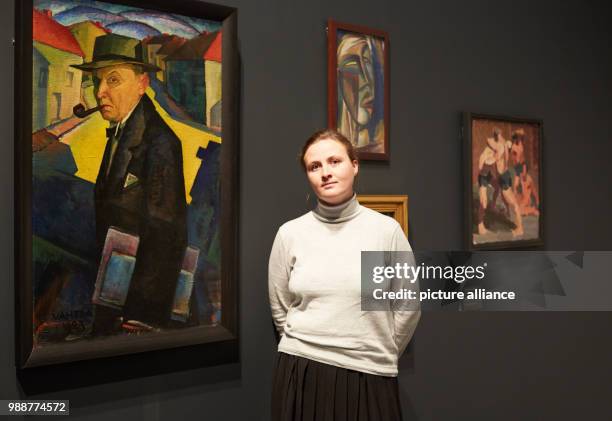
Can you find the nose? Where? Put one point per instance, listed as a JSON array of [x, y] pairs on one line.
[[102, 87], [325, 172]]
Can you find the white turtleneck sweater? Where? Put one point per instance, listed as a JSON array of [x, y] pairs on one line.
[[314, 282]]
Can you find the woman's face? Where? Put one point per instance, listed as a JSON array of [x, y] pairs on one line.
[[330, 171], [357, 78]]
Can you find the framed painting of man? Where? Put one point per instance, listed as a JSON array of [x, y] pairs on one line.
[[503, 182], [358, 87], [126, 151]]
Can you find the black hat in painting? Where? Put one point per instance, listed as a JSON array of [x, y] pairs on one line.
[[113, 49]]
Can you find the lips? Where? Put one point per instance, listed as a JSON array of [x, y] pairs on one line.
[[329, 184]]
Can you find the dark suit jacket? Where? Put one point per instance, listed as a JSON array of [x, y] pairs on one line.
[[151, 205]]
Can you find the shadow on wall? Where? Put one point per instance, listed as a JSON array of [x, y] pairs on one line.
[[179, 365]]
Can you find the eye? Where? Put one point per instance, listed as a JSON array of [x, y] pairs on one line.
[[113, 81], [349, 64], [335, 161], [314, 167]]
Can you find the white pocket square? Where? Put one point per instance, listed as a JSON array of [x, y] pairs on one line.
[[129, 180]]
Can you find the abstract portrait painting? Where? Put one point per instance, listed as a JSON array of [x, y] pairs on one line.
[[123, 220], [503, 161], [358, 87]]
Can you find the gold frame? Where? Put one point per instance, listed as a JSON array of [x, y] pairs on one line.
[[388, 203]]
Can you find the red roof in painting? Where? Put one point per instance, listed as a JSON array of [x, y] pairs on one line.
[[193, 49], [172, 45], [47, 31], [214, 51], [158, 39]]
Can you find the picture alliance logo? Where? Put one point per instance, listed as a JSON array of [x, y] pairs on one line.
[[412, 273]]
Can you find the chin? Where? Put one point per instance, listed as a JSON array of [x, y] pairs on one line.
[[333, 198], [363, 117]]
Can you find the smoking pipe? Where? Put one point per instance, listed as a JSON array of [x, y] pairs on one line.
[[80, 111]]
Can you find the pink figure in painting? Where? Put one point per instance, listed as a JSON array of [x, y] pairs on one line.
[[523, 185], [494, 172]]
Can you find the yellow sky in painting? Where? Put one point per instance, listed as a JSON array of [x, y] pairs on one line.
[[87, 142]]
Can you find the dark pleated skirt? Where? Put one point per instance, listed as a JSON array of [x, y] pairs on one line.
[[307, 390]]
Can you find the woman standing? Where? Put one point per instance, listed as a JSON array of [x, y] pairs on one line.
[[335, 361]]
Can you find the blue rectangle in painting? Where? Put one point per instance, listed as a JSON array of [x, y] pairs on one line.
[[117, 279], [180, 309]]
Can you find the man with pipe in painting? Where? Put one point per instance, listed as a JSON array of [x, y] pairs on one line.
[[140, 187]]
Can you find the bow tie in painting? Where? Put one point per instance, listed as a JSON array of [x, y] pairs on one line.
[[110, 132]]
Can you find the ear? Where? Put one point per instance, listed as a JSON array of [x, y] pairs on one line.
[[355, 168], [144, 83]]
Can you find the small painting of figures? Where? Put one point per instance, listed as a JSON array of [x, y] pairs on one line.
[[505, 182]]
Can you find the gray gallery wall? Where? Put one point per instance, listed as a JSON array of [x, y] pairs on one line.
[[539, 59]]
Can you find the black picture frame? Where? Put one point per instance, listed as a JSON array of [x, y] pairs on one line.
[[508, 124], [223, 338]]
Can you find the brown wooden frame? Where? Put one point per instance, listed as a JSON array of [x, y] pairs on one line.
[[466, 134], [332, 80], [221, 340], [390, 203]]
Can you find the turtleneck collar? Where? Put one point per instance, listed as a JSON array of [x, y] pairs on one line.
[[337, 213]]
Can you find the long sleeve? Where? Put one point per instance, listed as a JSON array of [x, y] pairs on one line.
[[279, 269], [155, 209], [405, 321]]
